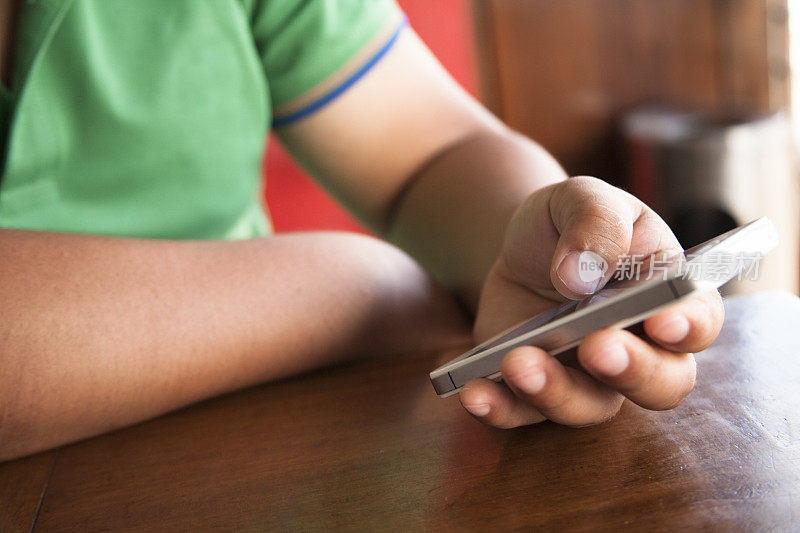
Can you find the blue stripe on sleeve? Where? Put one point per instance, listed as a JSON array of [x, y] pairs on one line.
[[324, 100]]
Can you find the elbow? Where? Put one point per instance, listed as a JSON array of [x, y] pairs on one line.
[[9, 445], [17, 435], [13, 445]]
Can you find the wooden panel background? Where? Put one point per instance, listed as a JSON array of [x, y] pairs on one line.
[[563, 71]]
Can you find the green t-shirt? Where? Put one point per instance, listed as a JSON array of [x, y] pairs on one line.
[[149, 118]]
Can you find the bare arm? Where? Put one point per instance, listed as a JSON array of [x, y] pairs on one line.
[[454, 212], [423, 163], [98, 333]]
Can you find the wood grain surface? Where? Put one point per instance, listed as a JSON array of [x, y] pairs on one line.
[[22, 486], [370, 447]]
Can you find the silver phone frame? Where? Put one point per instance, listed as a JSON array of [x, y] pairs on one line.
[[619, 311]]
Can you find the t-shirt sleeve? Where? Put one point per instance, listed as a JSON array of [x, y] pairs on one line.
[[314, 50]]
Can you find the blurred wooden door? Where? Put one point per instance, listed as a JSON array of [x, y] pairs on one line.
[[562, 71]]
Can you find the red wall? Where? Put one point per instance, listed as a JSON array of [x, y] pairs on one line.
[[297, 203]]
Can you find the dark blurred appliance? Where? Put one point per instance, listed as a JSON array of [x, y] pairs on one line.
[[706, 175]]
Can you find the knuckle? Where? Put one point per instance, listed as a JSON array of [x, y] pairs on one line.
[[645, 370], [604, 216], [604, 228], [602, 418], [584, 181], [551, 400], [651, 370], [612, 409], [577, 189]]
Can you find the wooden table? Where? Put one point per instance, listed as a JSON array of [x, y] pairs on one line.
[[370, 446]]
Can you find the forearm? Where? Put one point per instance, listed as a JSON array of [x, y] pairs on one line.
[[98, 333], [453, 213]]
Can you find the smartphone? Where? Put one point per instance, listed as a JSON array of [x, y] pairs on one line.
[[630, 297]]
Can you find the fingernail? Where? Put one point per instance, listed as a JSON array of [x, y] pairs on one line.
[[531, 382], [481, 409], [582, 272], [612, 361], [675, 330]]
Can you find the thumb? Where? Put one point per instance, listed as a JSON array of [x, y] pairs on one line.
[[595, 225]]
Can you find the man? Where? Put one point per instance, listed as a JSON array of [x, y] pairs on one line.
[[144, 122]]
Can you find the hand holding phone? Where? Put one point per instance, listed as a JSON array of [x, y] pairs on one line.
[[620, 304]]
